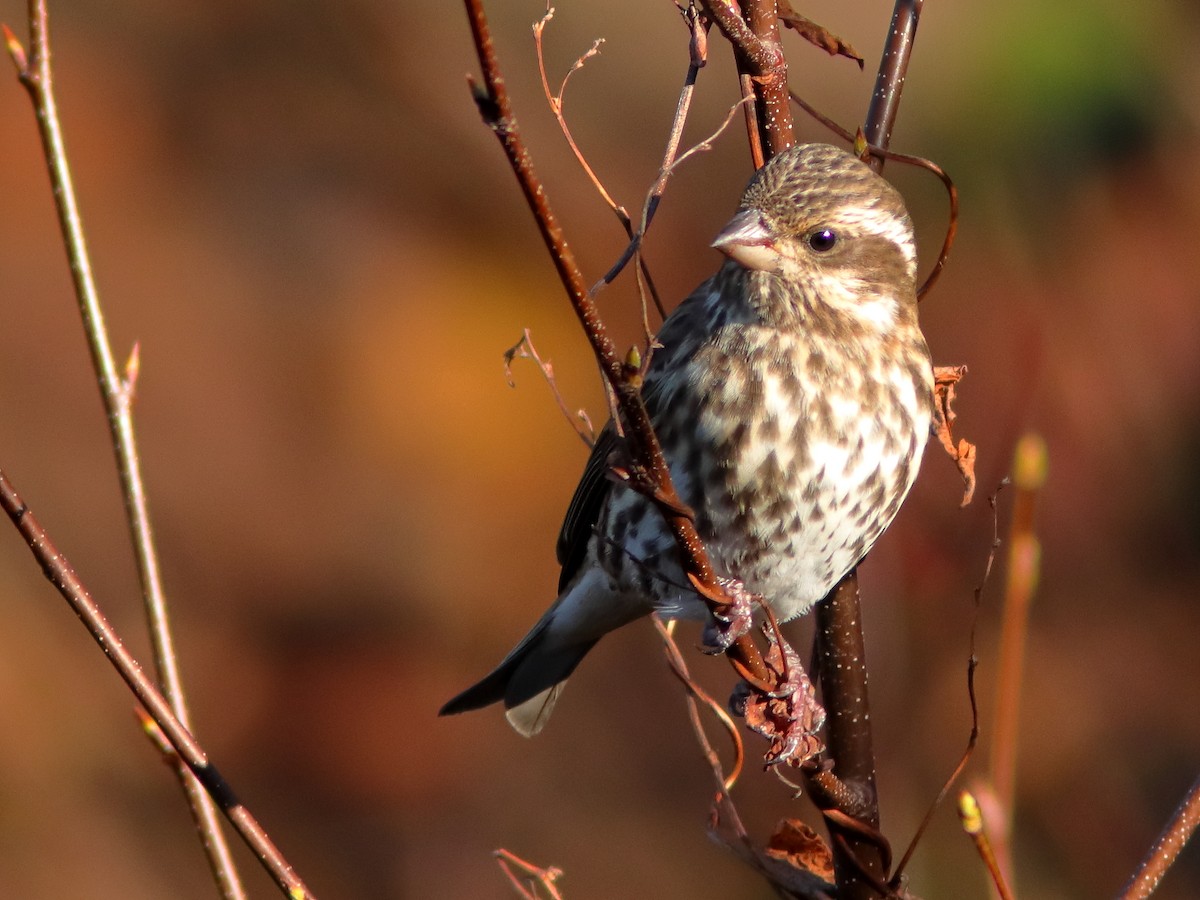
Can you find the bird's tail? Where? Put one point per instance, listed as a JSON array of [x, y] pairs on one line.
[[528, 680]]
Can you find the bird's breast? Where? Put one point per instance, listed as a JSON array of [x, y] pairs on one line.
[[806, 448]]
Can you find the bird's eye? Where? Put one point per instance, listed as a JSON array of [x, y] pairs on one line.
[[822, 240]]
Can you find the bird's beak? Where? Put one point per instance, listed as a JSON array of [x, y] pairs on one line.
[[748, 241]]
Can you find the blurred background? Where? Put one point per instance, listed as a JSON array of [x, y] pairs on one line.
[[295, 210]]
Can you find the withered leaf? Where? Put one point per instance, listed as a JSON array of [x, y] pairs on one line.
[[815, 34], [795, 843]]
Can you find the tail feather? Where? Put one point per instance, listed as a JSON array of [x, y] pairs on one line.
[[528, 681]]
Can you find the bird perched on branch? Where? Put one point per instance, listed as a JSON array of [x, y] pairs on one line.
[[792, 396]]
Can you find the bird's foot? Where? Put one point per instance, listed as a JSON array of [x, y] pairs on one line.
[[724, 629], [790, 716]]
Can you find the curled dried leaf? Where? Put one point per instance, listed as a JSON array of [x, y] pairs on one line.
[[945, 380], [797, 844], [817, 35]]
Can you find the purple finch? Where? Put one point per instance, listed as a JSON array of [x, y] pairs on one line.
[[792, 396]]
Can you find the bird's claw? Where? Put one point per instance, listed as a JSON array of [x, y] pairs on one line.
[[789, 717], [723, 629]]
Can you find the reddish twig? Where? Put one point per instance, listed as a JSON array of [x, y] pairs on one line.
[[524, 349], [972, 822], [1162, 855], [725, 782], [652, 477], [531, 877], [117, 393], [972, 664], [1024, 557], [58, 570]]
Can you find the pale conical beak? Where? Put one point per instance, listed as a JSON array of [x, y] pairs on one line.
[[747, 241]]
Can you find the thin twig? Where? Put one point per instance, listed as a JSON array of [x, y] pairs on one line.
[[1165, 850], [972, 822], [951, 189], [645, 282], [117, 392], [535, 876], [972, 664], [654, 477], [58, 570], [524, 349], [725, 782], [654, 195]]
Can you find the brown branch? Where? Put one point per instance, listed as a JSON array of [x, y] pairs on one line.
[[652, 476], [117, 393], [842, 667], [754, 34], [1165, 850], [889, 83], [58, 570]]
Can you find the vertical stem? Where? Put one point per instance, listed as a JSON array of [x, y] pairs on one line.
[[889, 83], [842, 662], [1024, 558], [117, 394]]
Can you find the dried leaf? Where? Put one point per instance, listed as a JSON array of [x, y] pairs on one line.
[[798, 845], [816, 35], [945, 379]]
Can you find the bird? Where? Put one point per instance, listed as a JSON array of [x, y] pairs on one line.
[[792, 396]]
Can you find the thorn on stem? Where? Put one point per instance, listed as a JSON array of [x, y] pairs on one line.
[[16, 52], [133, 367]]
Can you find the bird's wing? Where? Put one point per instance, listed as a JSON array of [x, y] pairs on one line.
[[681, 336]]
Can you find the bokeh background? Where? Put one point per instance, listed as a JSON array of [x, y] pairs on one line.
[[294, 209]]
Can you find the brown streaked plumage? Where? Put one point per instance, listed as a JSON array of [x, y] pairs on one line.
[[792, 397]]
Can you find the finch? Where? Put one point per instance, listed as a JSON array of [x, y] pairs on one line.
[[792, 396]]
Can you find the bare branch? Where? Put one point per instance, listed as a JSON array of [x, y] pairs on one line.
[[1166, 849], [725, 783], [60, 573], [534, 876], [524, 349], [762, 67], [117, 393]]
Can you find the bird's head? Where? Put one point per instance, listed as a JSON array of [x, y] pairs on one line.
[[819, 218]]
